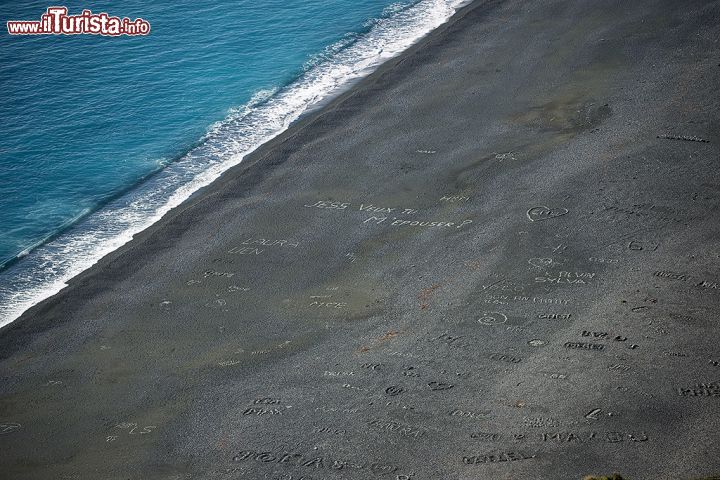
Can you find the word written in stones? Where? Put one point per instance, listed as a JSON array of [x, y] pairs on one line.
[[706, 284], [504, 285], [262, 411], [648, 212], [674, 354], [681, 316], [701, 390], [9, 427], [686, 138], [395, 427], [584, 346], [329, 205], [229, 363], [535, 214], [511, 456], [297, 459], [554, 316], [369, 207], [439, 386], [337, 374], [417, 223], [213, 273], [539, 422], [542, 262], [266, 401], [619, 367], [245, 251], [323, 304], [410, 372], [454, 198], [566, 277], [374, 209], [247, 247], [272, 348], [505, 358], [235, 288], [586, 333], [470, 413], [505, 156], [503, 299], [371, 366], [486, 436], [271, 243], [132, 429], [447, 338], [336, 410], [671, 275], [582, 437]]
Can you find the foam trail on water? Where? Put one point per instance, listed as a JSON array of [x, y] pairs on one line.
[[45, 270]]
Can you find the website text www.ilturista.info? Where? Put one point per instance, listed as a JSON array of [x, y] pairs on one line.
[[56, 21]]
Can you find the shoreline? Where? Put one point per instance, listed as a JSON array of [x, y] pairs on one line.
[[481, 260]]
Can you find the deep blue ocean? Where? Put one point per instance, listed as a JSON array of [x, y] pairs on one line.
[[100, 136]]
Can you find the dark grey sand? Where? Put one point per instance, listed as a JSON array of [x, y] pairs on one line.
[[555, 314]]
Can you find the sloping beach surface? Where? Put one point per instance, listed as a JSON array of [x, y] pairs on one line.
[[495, 257]]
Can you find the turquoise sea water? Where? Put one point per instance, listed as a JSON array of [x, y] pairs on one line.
[[100, 136]]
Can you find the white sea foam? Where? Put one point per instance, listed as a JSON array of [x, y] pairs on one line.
[[45, 271]]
